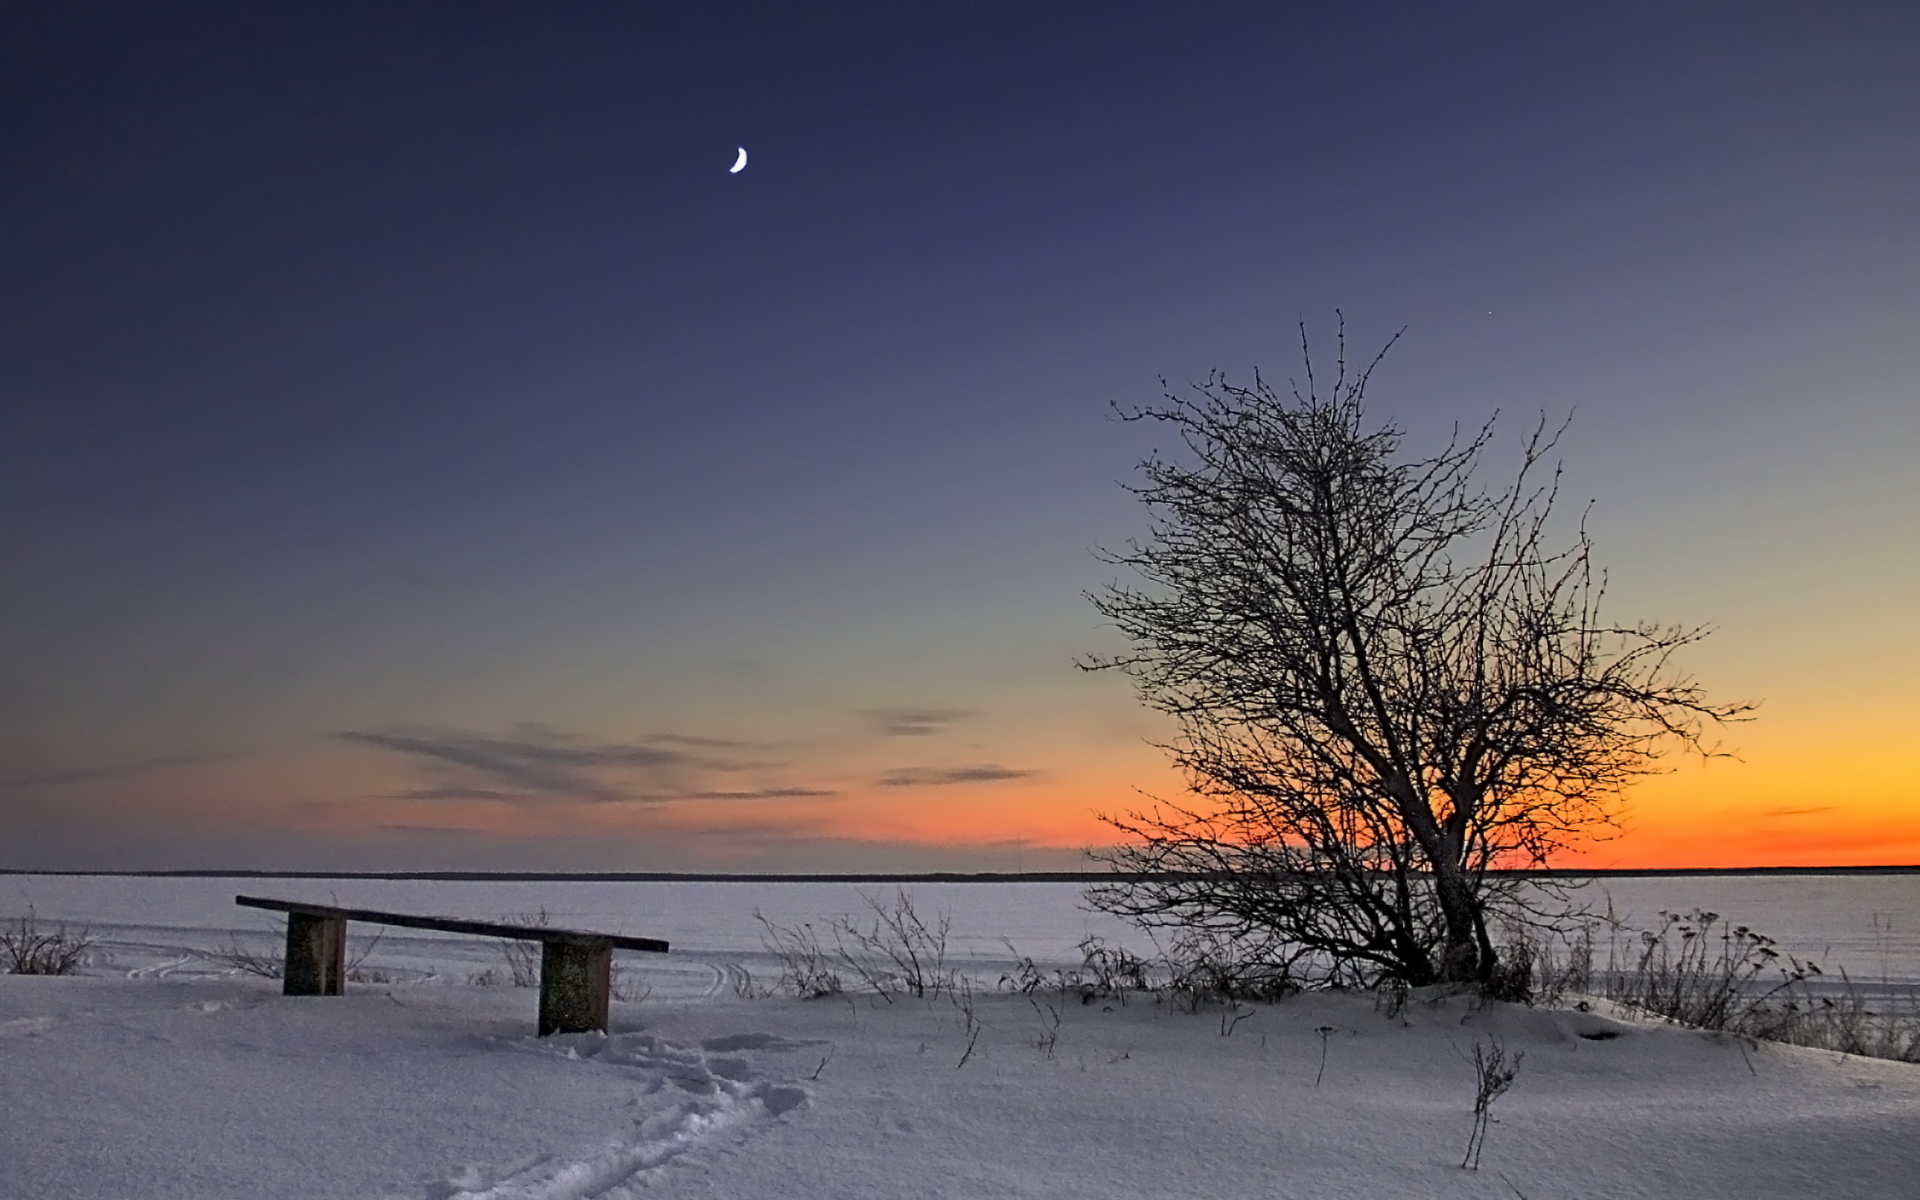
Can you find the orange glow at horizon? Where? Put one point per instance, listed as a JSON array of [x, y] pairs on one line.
[[1784, 805], [1779, 809]]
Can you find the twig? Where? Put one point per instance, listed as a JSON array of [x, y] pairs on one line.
[[1325, 1031], [1494, 1075]]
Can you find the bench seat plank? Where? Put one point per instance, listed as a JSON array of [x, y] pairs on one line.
[[495, 929]]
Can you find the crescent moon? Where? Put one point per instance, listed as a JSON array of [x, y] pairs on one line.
[[739, 164]]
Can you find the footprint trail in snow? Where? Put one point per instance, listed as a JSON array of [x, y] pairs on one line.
[[685, 1097]]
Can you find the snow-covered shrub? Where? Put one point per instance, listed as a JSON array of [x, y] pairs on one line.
[[26, 949]]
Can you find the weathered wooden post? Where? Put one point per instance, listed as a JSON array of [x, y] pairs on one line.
[[316, 962], [576, 979]]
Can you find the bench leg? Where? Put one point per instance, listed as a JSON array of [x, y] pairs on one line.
[[575, 980], [316, 955]]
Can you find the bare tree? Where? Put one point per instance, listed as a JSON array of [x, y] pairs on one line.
[[1388, 685]]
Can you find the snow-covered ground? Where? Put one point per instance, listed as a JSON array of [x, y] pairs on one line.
[[159, 1073]]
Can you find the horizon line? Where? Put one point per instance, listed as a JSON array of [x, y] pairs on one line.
[[882, 876]]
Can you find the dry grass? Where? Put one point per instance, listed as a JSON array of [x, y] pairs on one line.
[[28, 949], [1701, 970], [521, 955], [897, 951], [272, 963]]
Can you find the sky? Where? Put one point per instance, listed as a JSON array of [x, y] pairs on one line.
[[419, 451]]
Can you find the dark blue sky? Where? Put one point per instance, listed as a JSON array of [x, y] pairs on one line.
[[419, 369]]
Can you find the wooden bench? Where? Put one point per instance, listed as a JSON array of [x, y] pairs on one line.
[[576, 968]]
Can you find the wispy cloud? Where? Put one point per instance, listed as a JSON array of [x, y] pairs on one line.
[[546, 766], [456, 792], [121, 770], [929, 776], [708, 743], [913, 722], [769, 793], [1796, 812], [537, 765]]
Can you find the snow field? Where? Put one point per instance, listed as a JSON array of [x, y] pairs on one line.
[[226, 1088], [211, 1088], [162, 1072]]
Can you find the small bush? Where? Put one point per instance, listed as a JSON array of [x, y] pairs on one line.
[[1027, 977], [1200, 970], [26, 949], [1512, 979], [804, 967], [1111, 970], [1105, 973], [1544, 963], [1493, 1075], [898, 950], [1390, 996], [1697, 970], [1563, 966], [1204, 968], [268, 964]]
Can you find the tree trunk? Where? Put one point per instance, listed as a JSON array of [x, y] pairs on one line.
[[1462, 959]]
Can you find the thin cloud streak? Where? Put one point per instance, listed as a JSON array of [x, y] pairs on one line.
[[771, 793], [914, 722], [454, 792], [125, 770], [548, 769], [937, 776], [540, 766]]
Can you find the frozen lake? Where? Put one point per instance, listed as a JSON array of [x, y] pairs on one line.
[[146, 926]]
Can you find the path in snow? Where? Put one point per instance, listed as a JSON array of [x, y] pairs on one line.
[[684, 1097]]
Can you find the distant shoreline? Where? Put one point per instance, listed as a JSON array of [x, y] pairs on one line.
[[883, 877]]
